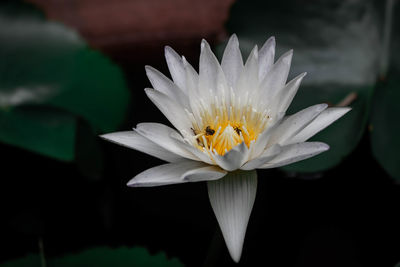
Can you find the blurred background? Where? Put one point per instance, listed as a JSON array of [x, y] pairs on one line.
[[71, 70]]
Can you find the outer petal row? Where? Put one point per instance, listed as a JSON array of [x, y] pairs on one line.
[[155, 139], [136, 141], [294, 153], [161, 134], [293, 124], [172, 110], [166, 86], [175, 173], [324, 119]]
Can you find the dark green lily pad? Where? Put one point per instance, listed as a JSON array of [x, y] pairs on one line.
[[343, 135], [336, 43], [46, 130], [49, 67], [99, 257], [384, 126]]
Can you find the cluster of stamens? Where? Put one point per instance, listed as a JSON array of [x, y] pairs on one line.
[[218, 129]]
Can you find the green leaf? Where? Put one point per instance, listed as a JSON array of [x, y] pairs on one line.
[[48, 66], [100, 256], [336, 43], [343, 135], [46, 130], [384, 126], [32, 260]]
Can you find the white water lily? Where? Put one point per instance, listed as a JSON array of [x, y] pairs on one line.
[[229, 120]]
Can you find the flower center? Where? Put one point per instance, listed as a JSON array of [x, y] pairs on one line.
[[220, 134], [224, 137], [224, 121]]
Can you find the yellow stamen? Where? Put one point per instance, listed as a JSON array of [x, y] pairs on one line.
[[221, 136], [218, 128]]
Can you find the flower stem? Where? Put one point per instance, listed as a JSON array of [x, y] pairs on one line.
[[41, 253]]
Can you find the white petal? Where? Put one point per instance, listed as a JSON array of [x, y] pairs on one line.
[[176, 68], [192, 87], [276, 78], [175, 173], [135, 141], [161, 135], [191, 76], [296, 152], [209, 173], [232, 62], [234, 158], [211, 76], [249, 76], [232, 199], [262, 140], [293, 124], [323, 120], [203, 156], [173, 111], [266, 57], [166, 86], [287, 94], [264, 158]]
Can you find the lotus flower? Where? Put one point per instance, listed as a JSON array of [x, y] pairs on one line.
[[229, 120]]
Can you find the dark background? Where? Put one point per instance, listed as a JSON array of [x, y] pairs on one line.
[[344, 216]]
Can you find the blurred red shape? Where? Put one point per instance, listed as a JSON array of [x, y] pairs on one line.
[[135, 28]]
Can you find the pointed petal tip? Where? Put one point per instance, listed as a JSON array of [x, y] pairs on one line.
[[236, 256], [322, 107], [136, 184], [232, 42], [104, 136], [185, 62], [203, 44], [299, 78], [169, 52], [108, 136], [148, 69], [271, 42], [342, 111], [131, 183], [151, 93], [233, 38], [253, 52], [346, 109], [167, 49], [286, 57], [324, 146]]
